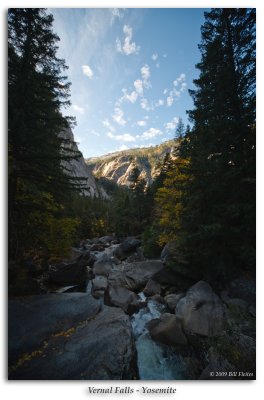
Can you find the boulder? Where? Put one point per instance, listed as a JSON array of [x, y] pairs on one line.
[[168, 330], [101, 349], [103, 266], [127, 247], [172, 258], [170, 278], [134, 276], [152, 288], [201, 311], [172, 300], [73, 273], [159, 299], [99, 283], [119, 296], [106, 240], [34, 319]]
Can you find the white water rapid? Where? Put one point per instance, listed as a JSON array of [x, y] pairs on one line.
[[155, 361]]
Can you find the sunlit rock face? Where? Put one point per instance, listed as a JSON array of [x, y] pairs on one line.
[[118, 166], [78, 168]]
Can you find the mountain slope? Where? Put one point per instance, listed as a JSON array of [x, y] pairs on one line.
[[118, 166]]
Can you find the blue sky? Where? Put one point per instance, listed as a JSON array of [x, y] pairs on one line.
[[130, 71]]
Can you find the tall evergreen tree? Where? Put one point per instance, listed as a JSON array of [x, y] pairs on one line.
[[37, 89], [219, 221]]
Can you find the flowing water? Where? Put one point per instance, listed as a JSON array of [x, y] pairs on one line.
[[155, 361]]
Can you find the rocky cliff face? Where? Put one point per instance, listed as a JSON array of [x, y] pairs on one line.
[[118, 166], [78, 168]]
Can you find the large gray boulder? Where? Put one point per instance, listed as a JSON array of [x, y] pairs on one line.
[[99, 285], [119, 296], [33, 319], [167, 330], [201, 311], [172, 258], [127, 247], [172, 300], [99, 348], [152, 288], [103, 266], [134, 276]]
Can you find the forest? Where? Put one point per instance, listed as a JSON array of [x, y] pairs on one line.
[[204, 196], [155, 280]]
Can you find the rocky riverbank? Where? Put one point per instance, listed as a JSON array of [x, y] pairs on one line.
[[108, 313]]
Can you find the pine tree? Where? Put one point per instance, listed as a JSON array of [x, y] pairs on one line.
[[219, 221], [37, 90]]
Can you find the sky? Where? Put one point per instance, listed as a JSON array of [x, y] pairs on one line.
[[130, 71]]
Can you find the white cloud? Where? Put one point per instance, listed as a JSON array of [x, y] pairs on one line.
[[138, 84], [165, 91], [180, 82], [118, 116], [126, 137], [159, 103], [80, 110], [123, 147], [141, 123], [145, 104], [145, 73], [107, 124], [117, 12], [154, 56], [87, 71], [132, 97], [164, 55], [170, 126], [157, 65], [128, 47], [150, 133], [175, 93], [183, 86], [169, 101]]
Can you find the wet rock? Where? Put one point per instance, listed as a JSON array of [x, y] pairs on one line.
[[201, 311], [172, 300], [168, 330], [152, 288], [101, 349], [119, 296]]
